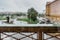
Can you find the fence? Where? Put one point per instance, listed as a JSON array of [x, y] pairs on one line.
[[27, 33]]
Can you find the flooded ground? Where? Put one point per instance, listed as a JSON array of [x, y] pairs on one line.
[[21, 23]]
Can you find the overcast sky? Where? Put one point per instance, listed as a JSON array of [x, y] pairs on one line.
[[22, 5]]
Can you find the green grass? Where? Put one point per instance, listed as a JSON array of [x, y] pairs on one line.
[[1, 18], [25, 19], [22, 19], [32, 22], [29, 21]]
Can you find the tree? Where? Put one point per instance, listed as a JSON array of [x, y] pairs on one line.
[[40, 15], [32, 14]]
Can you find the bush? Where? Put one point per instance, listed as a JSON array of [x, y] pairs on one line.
[[32, 14]]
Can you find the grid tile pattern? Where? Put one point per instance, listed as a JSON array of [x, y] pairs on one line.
[[18, 36], [51, 36]]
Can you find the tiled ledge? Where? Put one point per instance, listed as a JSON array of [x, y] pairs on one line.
[[25, 25]]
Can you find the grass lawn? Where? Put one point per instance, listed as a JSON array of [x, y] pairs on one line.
[[28, 20], [23, 19], [2, 18]]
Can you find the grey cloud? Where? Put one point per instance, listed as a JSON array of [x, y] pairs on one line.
[[23, 5]]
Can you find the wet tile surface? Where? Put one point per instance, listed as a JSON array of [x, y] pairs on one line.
[[18, 36], [51, 36]]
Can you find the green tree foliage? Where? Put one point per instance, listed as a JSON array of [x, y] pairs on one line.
[[40, 15], [32, 14]]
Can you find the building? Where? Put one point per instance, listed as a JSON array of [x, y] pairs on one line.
[[53, 10]]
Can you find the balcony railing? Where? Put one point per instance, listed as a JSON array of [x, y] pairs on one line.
[[29, 33]]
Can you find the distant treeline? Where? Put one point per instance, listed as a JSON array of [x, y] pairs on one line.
[[12, 14]]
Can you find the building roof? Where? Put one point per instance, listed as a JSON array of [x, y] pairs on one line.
[[48, 3]]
